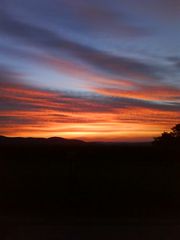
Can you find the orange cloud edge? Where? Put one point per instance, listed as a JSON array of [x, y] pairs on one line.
[[41, 113]]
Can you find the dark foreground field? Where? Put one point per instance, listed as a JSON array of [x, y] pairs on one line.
[[89, 191]]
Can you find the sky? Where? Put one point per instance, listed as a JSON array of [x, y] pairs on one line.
[[97, 70]]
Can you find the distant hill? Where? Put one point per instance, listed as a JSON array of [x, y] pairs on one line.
[[30, 140], [64, 141]]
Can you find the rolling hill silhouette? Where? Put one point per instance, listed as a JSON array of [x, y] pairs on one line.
[[74, 183], [31, 140]]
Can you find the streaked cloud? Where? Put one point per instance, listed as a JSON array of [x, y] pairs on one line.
[[89, 69], [26, 110], [101, 61]]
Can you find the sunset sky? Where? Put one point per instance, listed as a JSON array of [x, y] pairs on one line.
[[97, 70]]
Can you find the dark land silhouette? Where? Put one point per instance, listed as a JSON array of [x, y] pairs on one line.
[[171, 138], [69, 189]]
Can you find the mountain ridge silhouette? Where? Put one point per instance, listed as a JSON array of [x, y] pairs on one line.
[[64, 141], [34, 140]]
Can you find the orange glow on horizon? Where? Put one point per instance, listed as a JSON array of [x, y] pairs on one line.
[[41, 113]]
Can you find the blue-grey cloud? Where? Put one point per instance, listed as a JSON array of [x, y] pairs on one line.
[[19, 97], [99, 60]]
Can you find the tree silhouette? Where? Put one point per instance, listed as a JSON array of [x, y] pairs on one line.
[[176, 131], [171, 138]]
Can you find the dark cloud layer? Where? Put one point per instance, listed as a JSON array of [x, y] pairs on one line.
[[98, 17], [99, 60]]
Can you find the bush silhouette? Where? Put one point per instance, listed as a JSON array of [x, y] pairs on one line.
[[176, 131], [169, 138]]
